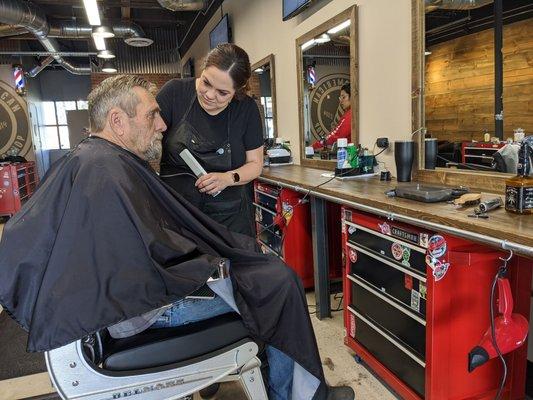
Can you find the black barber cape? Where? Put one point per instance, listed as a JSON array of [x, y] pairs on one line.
[[103, 239]]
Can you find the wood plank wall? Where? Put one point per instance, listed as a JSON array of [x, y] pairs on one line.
[[459, 84]]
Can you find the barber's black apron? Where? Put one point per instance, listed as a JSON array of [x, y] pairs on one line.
[[231, 207]]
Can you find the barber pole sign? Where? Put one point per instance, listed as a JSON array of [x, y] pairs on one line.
[[311, 75], [20, 82]]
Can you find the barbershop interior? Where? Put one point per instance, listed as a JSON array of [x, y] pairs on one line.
[[266, 199]]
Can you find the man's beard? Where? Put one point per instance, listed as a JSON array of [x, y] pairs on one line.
[[154, 150]]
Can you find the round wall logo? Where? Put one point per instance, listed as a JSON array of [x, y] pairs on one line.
[[324, 100], [15, 136]]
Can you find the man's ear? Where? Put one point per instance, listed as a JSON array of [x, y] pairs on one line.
[[116, 121]]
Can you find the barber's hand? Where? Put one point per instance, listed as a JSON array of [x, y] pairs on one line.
[[214, 182]]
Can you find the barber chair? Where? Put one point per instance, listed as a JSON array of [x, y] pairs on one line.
[[170, 363]]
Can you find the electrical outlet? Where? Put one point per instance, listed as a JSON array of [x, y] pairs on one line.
[[382, 143]]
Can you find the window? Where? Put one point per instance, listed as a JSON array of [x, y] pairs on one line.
[[269, 120], [55, 129]]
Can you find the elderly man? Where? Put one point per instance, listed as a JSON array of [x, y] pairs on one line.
[[113, 246]]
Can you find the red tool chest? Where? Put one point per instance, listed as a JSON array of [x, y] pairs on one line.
[[283, 225], [17, 183], [414, 323]]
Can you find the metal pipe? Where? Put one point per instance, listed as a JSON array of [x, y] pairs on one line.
[[502, 243], [73, 30], [498, 69], [183, 5], [10, 30], [431, 5], [47, 53], [38, 68]]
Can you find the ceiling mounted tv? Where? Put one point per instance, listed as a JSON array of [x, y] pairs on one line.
[[291, 8], [220, 33]]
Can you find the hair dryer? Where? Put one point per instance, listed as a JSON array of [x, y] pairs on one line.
[[510, 330]]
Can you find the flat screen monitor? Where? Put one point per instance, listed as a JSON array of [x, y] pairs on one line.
[[292, 8], [220, 33]]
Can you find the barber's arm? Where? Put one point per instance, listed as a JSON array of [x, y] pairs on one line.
[[218, 181]]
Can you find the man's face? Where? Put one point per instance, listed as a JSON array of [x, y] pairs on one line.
[[145, 129]]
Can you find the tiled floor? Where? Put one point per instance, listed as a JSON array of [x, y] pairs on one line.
[[339, 366]]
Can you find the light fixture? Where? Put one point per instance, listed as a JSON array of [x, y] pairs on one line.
[[99, 43], [91, 8], [324, 38], [308, 44], [109, 67], [427, 53], [106, 54], [103, 31], [259, 70], [340, 27]]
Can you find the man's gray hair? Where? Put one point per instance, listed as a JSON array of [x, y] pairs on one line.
[[116, 91]]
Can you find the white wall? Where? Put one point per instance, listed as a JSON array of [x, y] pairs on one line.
[[384, 60]]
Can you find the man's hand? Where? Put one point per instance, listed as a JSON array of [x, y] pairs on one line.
[[214, 182]]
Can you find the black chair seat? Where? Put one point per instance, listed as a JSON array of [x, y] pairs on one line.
[[159, 347]]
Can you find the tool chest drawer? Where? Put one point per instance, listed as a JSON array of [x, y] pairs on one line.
[[394, 280], [406, 326], [271, 240], [387, 351], [265, 220], [392, 248]]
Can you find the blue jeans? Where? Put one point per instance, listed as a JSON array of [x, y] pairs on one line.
[[187, 311]]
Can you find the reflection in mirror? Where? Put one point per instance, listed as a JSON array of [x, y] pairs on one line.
[[263, 91], [464, 78], [326, 71]]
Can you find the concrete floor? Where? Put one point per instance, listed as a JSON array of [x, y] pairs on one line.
[[339, 367]]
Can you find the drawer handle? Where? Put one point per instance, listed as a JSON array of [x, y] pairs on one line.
[[420, 277], [388, 337], [387, 300]]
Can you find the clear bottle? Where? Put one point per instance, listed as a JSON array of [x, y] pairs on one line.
[[342, 154]]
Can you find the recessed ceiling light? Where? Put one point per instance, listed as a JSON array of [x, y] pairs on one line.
[[109, 67], [259, 70], [324, 38], [103, 31], [106, 54]]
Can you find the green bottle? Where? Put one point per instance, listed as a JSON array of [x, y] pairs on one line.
[[353, 157]]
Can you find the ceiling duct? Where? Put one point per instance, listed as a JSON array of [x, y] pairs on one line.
[[42, 65], [432, 5], [28, 16], [183, 5]]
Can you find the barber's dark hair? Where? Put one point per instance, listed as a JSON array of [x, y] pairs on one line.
[[346, 88], [235, 61]]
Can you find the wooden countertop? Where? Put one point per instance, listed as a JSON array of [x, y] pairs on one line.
[[371, 192]]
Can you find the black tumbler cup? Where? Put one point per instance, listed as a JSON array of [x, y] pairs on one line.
[[404, 153], [430, 153]]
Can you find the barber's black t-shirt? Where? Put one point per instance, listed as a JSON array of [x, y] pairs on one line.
[[245, 128]]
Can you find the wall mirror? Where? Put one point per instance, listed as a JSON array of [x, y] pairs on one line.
[[474, 100], [263, 91], [327, 88]]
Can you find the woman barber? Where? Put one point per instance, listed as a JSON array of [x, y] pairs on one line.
[[344, 127], [220, 125]]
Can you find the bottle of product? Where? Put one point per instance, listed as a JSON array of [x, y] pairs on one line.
[[353, 156], [341, 152], [519, 189]]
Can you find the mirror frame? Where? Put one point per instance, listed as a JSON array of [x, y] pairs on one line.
[[349, 13], [270, 60], [480, 180]]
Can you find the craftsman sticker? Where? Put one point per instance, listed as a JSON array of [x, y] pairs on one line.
[[424, 240], [422, 289], [384, 228], [405, 235], [415, 300], [408, 282], [397, 251], [439, 268], [437, 246], [353, 255]]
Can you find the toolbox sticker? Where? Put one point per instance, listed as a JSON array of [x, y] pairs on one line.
[[343, 227], [348, 215], [352, 325], [258, 215], [437, 246], [424, 240], [288, 210], [6, 183], [422, 289], [397, 251], [384, 228], [353, 255], [352, 229], [405, 235], [415, 300], [439, 268], [406, 256], [408, 281]]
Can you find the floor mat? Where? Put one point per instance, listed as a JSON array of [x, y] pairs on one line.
[[16, 361]]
